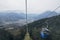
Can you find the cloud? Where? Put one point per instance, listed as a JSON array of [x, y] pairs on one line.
[[34, 6], [42, 5], [12, 5]]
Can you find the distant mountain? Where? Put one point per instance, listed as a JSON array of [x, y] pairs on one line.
[[31, 16], [11, 16], [14, 16], [47, 14]]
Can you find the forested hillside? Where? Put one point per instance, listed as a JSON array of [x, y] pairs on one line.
[[12, 34], [34, 30], [54, 27]]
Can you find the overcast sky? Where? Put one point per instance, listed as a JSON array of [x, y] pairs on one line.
[[34, 6]]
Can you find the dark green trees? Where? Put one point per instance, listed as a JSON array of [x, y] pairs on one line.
[[4, 35]]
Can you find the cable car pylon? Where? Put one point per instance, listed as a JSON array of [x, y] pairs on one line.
[[27, 36]]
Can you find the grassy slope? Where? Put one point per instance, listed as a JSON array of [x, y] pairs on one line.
[[27, 36]]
